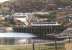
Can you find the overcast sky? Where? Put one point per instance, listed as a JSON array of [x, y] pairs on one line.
[[3, 0]]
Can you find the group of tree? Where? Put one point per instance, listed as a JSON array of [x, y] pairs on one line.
[[34, 5], [64, 2], [27, 5]]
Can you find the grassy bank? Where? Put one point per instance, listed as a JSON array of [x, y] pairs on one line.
[[30, 47]]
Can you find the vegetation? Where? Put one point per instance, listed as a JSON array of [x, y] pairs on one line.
[[30, 47], [65, 2], [29, 5]]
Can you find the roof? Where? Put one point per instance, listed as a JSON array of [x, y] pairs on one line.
[[45, 24], [14, 34], [40, 13], [22, 14]]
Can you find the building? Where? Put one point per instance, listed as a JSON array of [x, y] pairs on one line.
[[22, 18], [40, 25]]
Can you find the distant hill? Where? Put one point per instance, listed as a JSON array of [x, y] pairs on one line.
[[31, 5]]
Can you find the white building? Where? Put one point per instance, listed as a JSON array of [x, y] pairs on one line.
[[22, 17]]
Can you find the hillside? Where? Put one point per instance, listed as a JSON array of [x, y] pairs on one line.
[[32, 5]]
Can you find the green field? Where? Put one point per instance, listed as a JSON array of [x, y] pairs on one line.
[[30, 47]]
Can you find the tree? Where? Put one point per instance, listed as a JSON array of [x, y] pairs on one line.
[[65, 2], [29, 5], [52, 16]]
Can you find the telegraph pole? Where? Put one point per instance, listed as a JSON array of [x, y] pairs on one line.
[[33, 46]]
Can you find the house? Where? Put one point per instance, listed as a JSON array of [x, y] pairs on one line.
[[22, 18], [40, 25]]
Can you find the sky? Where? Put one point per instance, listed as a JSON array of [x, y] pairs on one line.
[[3, 0]]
